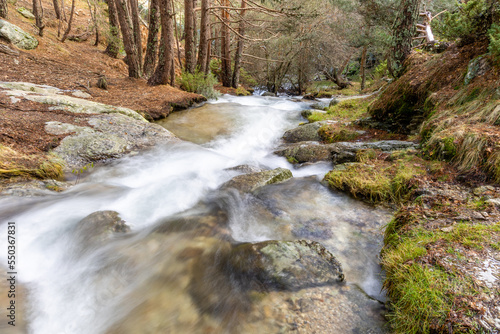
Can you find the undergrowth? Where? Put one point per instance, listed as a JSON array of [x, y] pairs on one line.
[[347, 110], [199, 83], [14, 164]]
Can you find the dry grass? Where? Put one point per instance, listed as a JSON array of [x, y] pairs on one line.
[[14, 164]]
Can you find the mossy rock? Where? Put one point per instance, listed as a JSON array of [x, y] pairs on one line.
[[17, 36], [253, 181]]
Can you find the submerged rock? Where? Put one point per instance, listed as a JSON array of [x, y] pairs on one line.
[[99, 227], [253, 181], [286, 265], [17, 36]]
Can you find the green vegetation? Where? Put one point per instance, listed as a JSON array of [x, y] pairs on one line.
[[14, 164], [494, 34], [379, 180], [425, 294], [334, 133], [240, 91], [347, 110], [199, 83]]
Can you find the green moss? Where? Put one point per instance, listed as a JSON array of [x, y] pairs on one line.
[[378, 181], [333, 134], [423, 294], [240, 91]]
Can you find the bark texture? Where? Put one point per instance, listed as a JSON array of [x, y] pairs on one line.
[[152, 46], [165, 69], [113, 46], [129, 41], [239, 47], [403, 32], [225, 46], [189, 35], [38, 12], [3, 9], [203, 53]]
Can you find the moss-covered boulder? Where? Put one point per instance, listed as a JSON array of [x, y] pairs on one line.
[[306, 132], [306, 151], [17, 36], [253, 181]]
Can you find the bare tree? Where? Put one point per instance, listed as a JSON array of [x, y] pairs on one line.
[[129, 39], [3, 9], [165, 69], [68, 29], [38, 12], [203, 54], [189, 48], [239, 47], [57, 9], [363, 67], [152, 46]]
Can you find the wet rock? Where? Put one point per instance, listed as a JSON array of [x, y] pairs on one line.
[[339, 153], [310, 151], [313, 229], [306, 132], [309, 112], [17, 36], [246, 169], [33, 188], [269, 94], [253, 181], [311, 96], [333, 102], [101, 225], [320, 106], [288, 265]]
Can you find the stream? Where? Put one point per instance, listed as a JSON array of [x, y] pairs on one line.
[[153, 278]]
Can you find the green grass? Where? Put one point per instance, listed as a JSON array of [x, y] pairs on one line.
[[423, 294], [378, 181], [347, 110], [334, 133]]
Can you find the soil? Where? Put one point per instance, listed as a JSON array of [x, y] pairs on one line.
[[71, 66]]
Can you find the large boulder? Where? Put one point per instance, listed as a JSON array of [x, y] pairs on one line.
[[53, 96], [253, 181], [17, 36], [306, 132], [111, 137], [306, 151], [286, 265]]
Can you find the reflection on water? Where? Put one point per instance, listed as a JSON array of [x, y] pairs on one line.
[[168, 275]]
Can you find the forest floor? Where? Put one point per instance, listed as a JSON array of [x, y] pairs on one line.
[[70, 66]]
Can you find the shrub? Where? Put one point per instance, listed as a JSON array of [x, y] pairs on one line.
[[471, 19], [199, 83], [494, 34]]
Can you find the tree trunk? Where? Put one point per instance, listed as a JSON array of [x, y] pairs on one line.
[[189, 33], [68, 29], [337, 79], [113, 43], [163, 73], [225, 46], [57, 9], [403, 33], [239, 48], [195, 35], [38, 12], [137, 30], [3, 9], [203, 53], [152, 47], [129, 41], [362, 67]]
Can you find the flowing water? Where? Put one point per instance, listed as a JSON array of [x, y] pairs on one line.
[[153, 279]]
